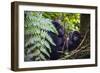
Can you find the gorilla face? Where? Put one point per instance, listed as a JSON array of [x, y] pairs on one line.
[[74, 40], [75, 36]]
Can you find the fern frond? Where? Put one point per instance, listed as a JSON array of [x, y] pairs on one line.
[[37, 45], [43, 50]]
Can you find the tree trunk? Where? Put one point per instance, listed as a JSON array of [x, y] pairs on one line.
[[85, 27]]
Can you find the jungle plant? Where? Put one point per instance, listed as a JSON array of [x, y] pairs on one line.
[[36, 39]]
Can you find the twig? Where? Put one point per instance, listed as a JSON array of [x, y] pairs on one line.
[[82, 40], [74, 52]]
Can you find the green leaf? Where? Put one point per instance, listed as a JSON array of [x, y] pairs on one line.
[[42, 57], [34, 47], [36, 52], [37, 58], [43, 50]]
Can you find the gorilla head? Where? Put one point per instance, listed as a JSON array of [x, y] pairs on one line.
[[73, 40], [75, 36]]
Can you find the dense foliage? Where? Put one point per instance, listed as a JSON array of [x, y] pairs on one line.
[[70, 21], [51, 35]]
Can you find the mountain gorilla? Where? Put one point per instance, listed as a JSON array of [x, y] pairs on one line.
[[71, 42]]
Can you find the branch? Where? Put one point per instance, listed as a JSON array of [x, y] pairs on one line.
[[77, 49], [74, 52]]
